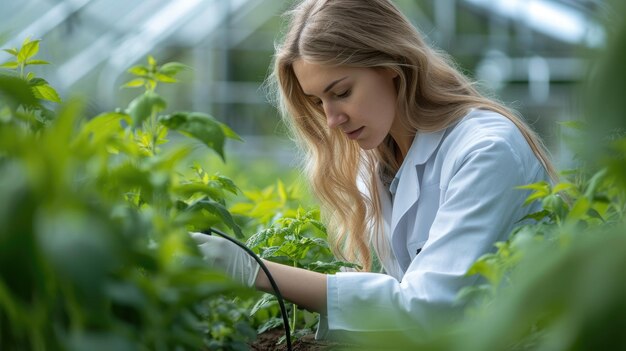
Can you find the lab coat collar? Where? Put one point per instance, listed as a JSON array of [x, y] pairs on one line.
[[406, 189], [424, 145]]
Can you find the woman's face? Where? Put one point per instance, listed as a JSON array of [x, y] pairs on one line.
[[360, 102]]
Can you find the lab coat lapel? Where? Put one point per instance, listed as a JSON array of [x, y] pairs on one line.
[[406, 195], [408, 189], [386, 206]]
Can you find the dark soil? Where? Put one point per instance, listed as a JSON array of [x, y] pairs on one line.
[[267, 342]]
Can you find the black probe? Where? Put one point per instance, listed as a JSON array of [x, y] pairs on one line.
[[279, 296]]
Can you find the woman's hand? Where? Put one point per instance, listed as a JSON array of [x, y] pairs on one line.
[[305, 288], [228, 257]]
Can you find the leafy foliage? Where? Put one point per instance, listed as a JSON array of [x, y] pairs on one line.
[[94, 214], [291, 235], [23, 57]]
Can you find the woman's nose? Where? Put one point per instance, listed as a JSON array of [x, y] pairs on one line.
[[334, 117]]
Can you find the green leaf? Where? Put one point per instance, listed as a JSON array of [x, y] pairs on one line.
[[172, 68], [537, 216], [33, 82], [227, 184], [12, 51], [266, 301], [102, 128], [169, 160], [594, 214], [36, 62], [10, 65], [219, 211], [487, 270], [200, 126], [144, 106], [241, 208], [139, 70], [28, 50], [189, 189], [270, 324], [265, 209], [268, 252], [555, 204], [161, 135], [319, 225], [539, 186], [595, 182], [151, 61], [562, 187], [541, 190], [535, 196], [165, 78], [137, 82], [229, 133], [46, 92], [106, 120], [260, 237], [16, 91], [319, 242], [579, 209]]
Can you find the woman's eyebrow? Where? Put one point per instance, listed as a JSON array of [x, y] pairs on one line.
[[332, 84]]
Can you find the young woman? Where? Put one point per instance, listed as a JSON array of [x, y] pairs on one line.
[[410, 163]]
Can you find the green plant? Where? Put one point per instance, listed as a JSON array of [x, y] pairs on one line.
[[291, 235], [23, 57], [32, 110], [94, 214]]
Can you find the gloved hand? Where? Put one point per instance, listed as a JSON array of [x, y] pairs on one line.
[[225, 255]]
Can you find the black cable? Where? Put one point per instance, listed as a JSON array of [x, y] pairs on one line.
[[279, 296]]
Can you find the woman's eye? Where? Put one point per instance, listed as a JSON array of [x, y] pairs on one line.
[[345, 94], [318, 102]]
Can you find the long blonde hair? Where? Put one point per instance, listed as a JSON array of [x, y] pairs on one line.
[[432, 94]]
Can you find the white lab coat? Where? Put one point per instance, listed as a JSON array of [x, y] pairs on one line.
[[453, 197]]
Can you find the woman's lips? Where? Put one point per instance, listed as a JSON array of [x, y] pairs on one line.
[[355, 133]]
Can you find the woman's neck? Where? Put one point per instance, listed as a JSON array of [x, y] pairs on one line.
[[403, 144]]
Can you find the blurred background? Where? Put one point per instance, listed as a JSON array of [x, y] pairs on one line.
[[531, 54]]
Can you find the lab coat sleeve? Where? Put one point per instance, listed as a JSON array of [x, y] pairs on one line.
[[479, 206]]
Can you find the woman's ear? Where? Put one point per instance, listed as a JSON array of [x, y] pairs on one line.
[[389, 72]]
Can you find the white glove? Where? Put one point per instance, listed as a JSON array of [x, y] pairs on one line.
[[228, 257]]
